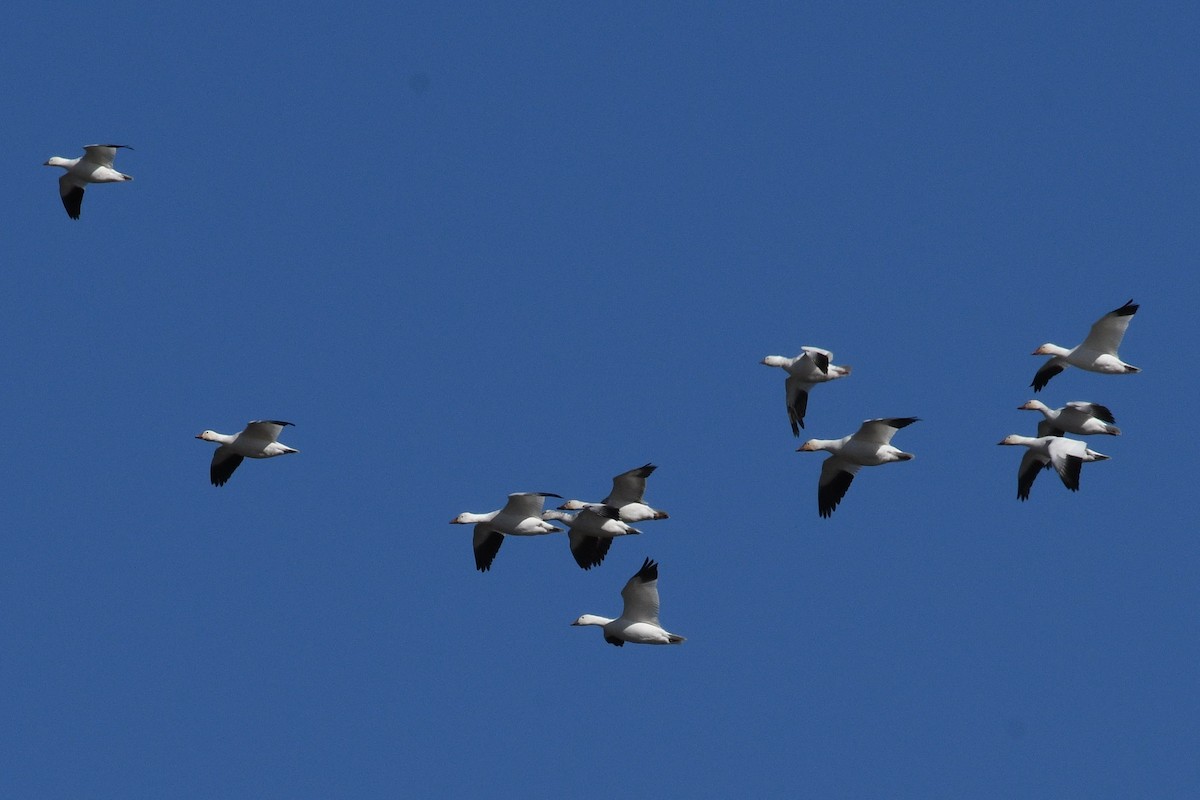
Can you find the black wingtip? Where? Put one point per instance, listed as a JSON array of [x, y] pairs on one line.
[[648, 572], [1129, 309]]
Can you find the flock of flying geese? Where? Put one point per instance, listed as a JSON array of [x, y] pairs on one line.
[[870, 445], [594, 525]]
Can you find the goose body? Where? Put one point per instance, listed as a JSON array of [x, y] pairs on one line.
[[627, 495], [521, 516], [259, 439], [1097, 353], [812, 366], [94, 166], [591, 532], [869, 446], [1065, 455], [638, 622], [1078, 417]]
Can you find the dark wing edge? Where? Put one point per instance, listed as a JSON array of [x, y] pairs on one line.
[[1043, 375], [222, 468], [486, 545], [830, 494]]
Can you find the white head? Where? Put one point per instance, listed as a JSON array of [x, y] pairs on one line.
[[591, 619], [572, 505], [465, 518], [1014, 438], [1049, 349], [811, 446], [58, 161], [1032, 405], [208, 436]]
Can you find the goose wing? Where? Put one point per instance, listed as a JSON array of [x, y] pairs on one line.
[[881, 431], [224, 462], [268, 429], [72, 195], [525, 504], [1093, 410], [486, 543], [797, 401], [588, 551], [1106, 335], [103, 154], [836, 476], [641, 595], [628, 487]]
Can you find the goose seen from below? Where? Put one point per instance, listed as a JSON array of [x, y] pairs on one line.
[[260, 439], [1078, 417], [626, 496], [812, 366], [638, 622], [1065, 455], [94, 166], [1097, 353], [591, 532], [869, 446], [521, 516]]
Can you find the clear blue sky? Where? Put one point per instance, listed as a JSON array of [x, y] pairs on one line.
[[474, 251]]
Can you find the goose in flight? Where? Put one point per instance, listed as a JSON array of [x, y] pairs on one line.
[[638, 622], [1097, 353], [94, 166], [626, 496], [592, 532], [1075, 417], [1065, 455], [812, 366], [869, 446], [260, 439], [521, 516]]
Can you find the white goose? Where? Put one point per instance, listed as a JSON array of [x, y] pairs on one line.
[[94, 166], [806, 370], [1075, 417], [521, 516], [592, 532], [638, 622], [1065, 455], [869, 446], [1097, 353], [628, 489], [259, 439]]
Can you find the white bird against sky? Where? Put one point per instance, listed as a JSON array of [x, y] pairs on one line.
[[1077, 416], [806, 370], [638, 622], [1065, 455], [259, 439], [1097, 353], [628, 491], [869, 446], [591, 532], [521, 516], [94, 166]]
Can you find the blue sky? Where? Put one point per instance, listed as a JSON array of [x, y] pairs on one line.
[[471, 251]]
